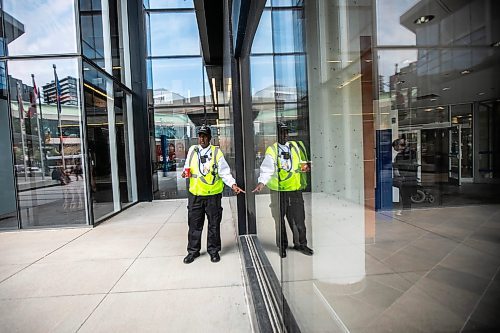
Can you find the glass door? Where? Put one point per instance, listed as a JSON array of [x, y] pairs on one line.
[[455, 155], [98, 99], [486, 138]]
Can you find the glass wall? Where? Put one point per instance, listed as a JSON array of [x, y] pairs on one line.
[[99, 107], [8, 204], [34, 28], [102, 37], [45, 132], [53, 133], [279, 97], [395, 103], [181, 92], [47, 142]]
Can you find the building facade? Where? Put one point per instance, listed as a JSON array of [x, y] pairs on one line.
[[68, 91], [359, 84]]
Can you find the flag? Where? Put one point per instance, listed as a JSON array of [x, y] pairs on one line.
[[20, 107], [20, 100], [33, 101], [58, 92], [35, 93]]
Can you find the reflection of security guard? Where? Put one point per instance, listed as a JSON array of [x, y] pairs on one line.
[[283, 171], [207, 171]]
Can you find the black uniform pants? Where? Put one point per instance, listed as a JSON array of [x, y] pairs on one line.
[[291, 205], [198, 206]]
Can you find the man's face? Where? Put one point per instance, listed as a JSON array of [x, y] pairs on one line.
[[283, 136], [203, 140], [401, 145]]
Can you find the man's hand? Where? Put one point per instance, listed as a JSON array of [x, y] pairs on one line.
[[305, 168], [258, 188], [183, 174], [236, 189]]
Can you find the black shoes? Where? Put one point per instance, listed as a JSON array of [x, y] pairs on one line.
[[282, 253], [191, 257], [304, 250], [214, 257]]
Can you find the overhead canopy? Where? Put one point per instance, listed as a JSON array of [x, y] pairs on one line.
[[209, 15]]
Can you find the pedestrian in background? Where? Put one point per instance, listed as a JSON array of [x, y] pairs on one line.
[[404, 168]]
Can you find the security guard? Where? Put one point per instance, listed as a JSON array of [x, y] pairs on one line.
[[207, 171], [283, 171]]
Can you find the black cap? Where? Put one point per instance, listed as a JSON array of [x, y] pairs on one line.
[[205, 130], [281, 126]]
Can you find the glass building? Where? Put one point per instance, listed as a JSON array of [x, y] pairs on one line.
[[394, 105]]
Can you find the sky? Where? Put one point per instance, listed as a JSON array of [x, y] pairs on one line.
[[49, 29], [391, 32]]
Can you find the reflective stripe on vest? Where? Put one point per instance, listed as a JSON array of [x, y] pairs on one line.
[[284, 180], [210, 183]]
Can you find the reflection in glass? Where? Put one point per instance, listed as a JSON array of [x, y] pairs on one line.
[[464, 23], [116, 35], [8, 207], [286, 3], [175, 132], [162, 4], [92, 31], [263, 40], [288, 70], [39, 27], [436, 104], [179, 36], [389, 29], [386, 151], [47, 142], [94, 34], [262, 74], [99, 100], [287, 31], [122, 145], [177, 81]]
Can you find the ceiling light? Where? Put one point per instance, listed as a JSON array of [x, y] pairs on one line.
[[433, 99], [465, 71], [446, 88], [439, 108], [428, 110], [340, 61], [354, 78], [424, 19], [496, 44], [481, 93]]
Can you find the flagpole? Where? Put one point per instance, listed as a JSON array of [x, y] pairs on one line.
[[41, 122], [23, 128], [38, 126], [58, 103]]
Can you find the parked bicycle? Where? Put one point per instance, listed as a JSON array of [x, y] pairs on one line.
[[422, 195]]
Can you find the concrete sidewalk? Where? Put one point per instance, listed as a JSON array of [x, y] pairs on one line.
[[125, 275]]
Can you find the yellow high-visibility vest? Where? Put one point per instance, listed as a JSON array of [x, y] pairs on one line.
[[283, 180], [211, 183]]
